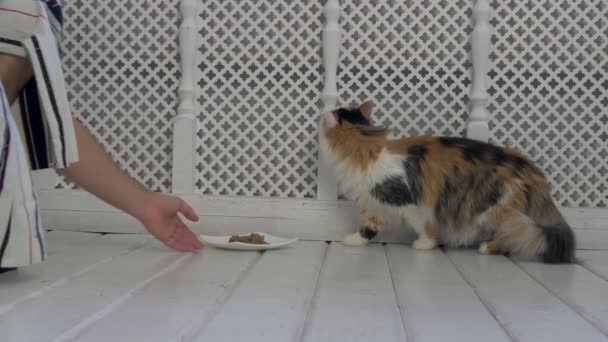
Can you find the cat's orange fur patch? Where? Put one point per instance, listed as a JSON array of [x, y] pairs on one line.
[[349, 144], [372, 222]]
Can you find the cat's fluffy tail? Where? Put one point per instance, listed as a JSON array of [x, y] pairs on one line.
[[560, 243], [542, 234]]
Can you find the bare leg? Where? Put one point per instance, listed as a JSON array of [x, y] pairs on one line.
[[15, 72]]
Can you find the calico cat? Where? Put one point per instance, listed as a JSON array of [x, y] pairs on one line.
[[455, 191]]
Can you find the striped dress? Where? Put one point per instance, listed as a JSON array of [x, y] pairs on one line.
[[36, 131]]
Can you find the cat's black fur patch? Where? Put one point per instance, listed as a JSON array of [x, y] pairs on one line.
[[442, 208], [493, 196], [560, 244], [528, 194], [472, 150], [478, 151], [353, 116], [393, 191], [471, 189], [368, 233], [483, 195], [399, 190], [487, 199], [413, 170]]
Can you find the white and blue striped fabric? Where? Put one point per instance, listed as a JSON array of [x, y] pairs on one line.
[[37, 133]]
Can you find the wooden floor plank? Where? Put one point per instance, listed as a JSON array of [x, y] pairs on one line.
[[525, 308], [64, 307], [272, 301], [436, 302], [99, 288], [171, 304], [595, 261], [579, 288], [68, 261], [355, 300]]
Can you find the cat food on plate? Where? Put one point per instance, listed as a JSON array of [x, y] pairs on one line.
[[252, 238], [255, 241]]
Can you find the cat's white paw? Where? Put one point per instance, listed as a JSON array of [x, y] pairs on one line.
[[425, 244], [355, 240], [483, 248]]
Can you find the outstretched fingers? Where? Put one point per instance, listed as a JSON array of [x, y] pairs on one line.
[[187, 211], [183, 239]]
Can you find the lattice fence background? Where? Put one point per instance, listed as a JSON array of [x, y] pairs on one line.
[[412, 58], [122, 71], [549, 91], [260, 83], [260, 76]]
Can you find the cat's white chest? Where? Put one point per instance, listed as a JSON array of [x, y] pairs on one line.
[[357, 184]]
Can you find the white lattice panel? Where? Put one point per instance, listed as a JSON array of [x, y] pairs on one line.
[[549, 91], [412, 58], [122, 70], [258, 85]]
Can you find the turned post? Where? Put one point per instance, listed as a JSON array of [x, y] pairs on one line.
[[477, 125], [327, 188], [184, 127]]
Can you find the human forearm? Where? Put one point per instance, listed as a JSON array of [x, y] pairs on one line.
[[97, 173], [118, 189]]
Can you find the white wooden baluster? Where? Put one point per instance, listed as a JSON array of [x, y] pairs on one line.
[[477, 126], [327, 188], [184, 128]]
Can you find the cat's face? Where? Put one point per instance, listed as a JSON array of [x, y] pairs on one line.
[[349, 115], [356, 120]]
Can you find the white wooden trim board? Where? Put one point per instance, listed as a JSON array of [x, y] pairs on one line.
[[307, 219]]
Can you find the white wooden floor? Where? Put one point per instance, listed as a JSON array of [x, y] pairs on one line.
[[129, 288]]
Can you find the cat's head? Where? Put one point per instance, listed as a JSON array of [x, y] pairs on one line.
[[354, 121]]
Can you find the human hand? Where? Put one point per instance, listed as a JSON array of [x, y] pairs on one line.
[[161, 219]]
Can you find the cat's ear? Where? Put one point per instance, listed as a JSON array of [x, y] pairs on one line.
[[330, 120], [366, 108]]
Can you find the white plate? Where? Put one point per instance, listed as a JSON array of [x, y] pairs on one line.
[[222, 242]]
